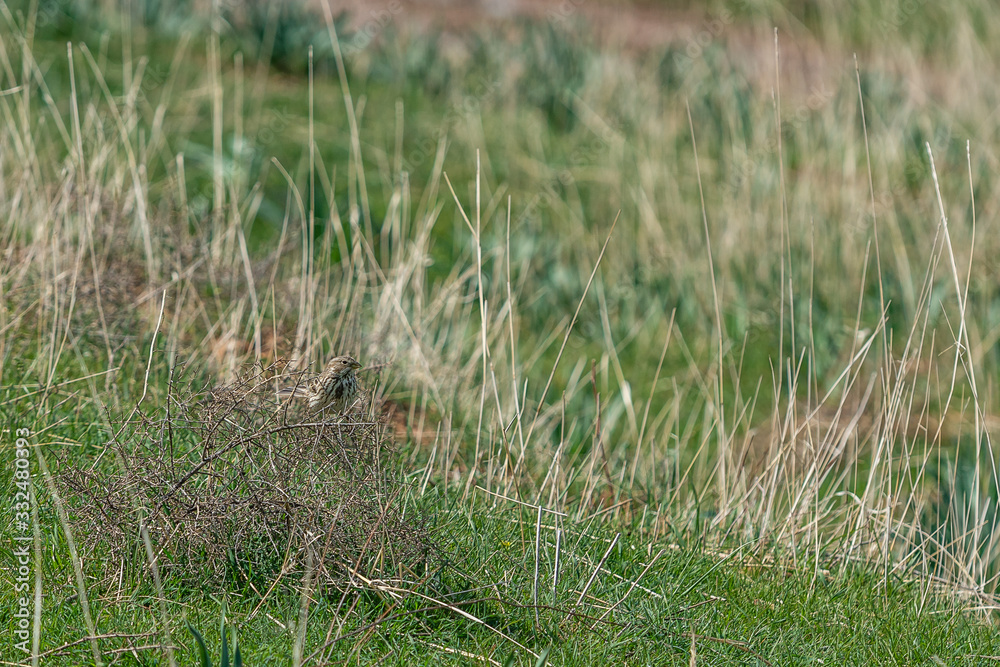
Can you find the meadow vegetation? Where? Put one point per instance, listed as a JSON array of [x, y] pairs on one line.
[[679, 352]]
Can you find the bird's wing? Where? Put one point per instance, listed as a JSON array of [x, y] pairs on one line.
[[294, 392]]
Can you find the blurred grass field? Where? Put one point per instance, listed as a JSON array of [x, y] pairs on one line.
[[681, 361]]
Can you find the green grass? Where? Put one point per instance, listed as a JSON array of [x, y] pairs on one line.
[[756, 376], [739, 606], [742, 608]]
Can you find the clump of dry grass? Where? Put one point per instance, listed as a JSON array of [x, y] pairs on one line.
[[230, 482]]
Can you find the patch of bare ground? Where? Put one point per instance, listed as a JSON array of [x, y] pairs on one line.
[[620, 27], [810, 64]]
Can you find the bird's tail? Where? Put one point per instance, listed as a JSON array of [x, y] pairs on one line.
[[294, 392]]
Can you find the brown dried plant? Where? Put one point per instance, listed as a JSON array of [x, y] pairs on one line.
[[230, 483]]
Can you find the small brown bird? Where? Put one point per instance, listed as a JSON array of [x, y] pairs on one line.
[[337, 385]]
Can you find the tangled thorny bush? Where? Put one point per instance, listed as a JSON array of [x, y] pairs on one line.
[[233, 483]]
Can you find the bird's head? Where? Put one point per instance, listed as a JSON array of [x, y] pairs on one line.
[[342, 363]]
